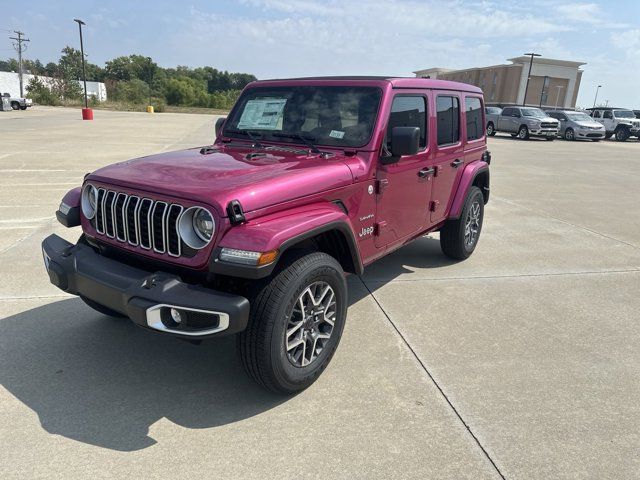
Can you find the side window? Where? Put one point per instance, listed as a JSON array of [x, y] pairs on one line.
[[553, 115], [506, 112], [607, 114], [409, 111], [473, 111], [448, 119], [596, 114]]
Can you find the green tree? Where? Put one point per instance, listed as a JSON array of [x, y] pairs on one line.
[[179, 91]]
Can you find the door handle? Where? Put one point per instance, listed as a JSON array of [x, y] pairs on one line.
[[425, 172], [456, 163]]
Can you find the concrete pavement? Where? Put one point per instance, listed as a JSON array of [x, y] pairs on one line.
[[521, 362]]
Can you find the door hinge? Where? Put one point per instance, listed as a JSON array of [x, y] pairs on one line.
[[381, 185], [433, 205]]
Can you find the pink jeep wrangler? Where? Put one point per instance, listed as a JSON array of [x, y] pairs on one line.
[[308, 179]]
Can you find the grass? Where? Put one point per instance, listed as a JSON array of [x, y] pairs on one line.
[[131, 107]]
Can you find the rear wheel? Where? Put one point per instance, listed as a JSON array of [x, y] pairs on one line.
[[295, 324], [523, 133], [458, 238], [98, 307], [15, 105], [23, 107], [622, 134], [491, 131], [569, 134]]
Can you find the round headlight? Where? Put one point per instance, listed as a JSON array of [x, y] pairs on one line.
[[196, 227], [203, 224], [89, 201]]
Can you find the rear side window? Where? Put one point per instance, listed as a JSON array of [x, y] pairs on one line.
[[473, 111], [507, 112], [409, 111], [596, 114], [607, 114], [448, 119]]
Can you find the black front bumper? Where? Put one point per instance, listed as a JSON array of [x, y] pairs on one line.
[[139, 294]]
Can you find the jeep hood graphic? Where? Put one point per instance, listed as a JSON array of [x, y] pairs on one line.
[[257, 178]]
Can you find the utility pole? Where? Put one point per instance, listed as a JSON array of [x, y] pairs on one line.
[[596, 97], [524, 100], [19, 48], [84, 74]]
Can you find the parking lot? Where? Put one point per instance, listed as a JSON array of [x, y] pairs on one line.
[[521, 362]]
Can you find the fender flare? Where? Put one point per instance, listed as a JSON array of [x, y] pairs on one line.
[[68, 214], [469, 176], [281, 231]]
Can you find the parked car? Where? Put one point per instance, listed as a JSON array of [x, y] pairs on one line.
[[524, 122], [636, 113], [577, 125], [18, 103], [492, 114], [619, 122], [308, 179]]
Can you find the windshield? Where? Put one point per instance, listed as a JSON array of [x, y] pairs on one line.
[[332, 116], [533, 112], [579, 117], [623, 114]]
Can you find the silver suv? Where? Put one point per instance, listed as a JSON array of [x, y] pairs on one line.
[[577, 125], [620, 122]]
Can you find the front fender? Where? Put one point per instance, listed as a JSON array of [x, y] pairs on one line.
[[68, 214], [469, 175], [281, 231]]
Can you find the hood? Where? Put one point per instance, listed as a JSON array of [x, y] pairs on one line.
[[588, 124], [216, 175]]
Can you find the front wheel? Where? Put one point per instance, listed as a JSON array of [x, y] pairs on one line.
[[15, 105], [622, 135], [523, 133], [569, 134], [458, 238], [295, 324], [23, 107], [491, 131]]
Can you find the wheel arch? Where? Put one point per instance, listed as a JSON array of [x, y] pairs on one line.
[[476, 174]]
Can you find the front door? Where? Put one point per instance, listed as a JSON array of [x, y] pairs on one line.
[[404, 187], [449, 152]]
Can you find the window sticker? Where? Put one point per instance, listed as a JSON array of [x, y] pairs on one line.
[[336, 134], [263, 114]]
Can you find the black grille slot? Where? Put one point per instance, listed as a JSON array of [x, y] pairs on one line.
[[548, 125], [121, 233], [144, 217], [108, 213], [131, 216], [98, 218], [158, 226], [173, 240]]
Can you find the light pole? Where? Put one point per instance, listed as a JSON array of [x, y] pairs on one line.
[[559, 87], [87, 114], [524, 100], [596, 97]]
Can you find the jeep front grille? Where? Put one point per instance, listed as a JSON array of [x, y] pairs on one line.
[[150, 224]]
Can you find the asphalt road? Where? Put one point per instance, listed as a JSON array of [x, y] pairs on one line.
[[521, 362]]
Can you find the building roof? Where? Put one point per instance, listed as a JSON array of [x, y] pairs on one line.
[[514, 61]]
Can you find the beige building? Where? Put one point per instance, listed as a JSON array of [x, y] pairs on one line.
[[553, 82]]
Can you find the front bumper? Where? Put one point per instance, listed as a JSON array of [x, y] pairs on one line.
[[145, 297], [543, 132]]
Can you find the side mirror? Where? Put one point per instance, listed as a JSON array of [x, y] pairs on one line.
[[219, 125], [405, 141]]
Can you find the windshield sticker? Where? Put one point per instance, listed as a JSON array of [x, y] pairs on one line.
[[263, 114], [336, 134]]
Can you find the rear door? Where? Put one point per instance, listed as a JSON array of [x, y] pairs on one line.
[[404, 187], [448, 153]]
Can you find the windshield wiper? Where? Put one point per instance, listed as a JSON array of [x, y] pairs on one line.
[[308, 141], [252, 136]]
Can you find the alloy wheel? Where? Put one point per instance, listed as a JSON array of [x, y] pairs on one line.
[[310, 324], [568, 135], [472, 225], [522, 134]]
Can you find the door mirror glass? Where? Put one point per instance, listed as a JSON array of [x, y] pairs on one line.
[[405, 141], [219, 125]]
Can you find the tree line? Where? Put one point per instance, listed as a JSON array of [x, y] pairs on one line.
[[133, 79]]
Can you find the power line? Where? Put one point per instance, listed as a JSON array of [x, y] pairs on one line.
[[19, 48]]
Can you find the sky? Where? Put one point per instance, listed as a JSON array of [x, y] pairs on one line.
[[285, 38]]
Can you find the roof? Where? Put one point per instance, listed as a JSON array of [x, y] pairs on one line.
[[396, 82], [607, 108]]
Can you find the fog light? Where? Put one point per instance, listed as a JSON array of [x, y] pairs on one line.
[[176, 316]]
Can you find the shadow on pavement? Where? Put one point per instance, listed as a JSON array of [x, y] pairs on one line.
[[104, 381]]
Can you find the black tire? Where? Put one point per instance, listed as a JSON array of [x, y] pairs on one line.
[[491, 130], [98, 307], [452, 234], [569, 134], [608, 135], [622, 135], [15, 105], [262, 346], [23, 107], [523, 132]]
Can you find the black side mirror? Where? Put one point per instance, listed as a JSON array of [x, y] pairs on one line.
[[405, 141], [219, 125]]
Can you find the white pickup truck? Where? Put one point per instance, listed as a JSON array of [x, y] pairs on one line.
[[523, 122], [17, 102]]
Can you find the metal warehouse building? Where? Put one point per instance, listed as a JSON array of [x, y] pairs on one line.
[[553, 82]]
